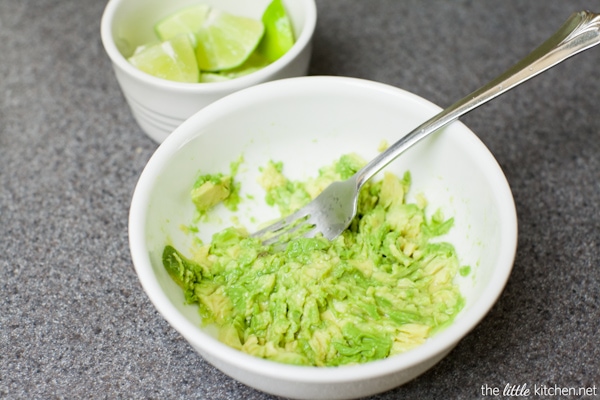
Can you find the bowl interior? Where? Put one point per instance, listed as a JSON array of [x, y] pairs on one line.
[[308, 123], [133, 20]]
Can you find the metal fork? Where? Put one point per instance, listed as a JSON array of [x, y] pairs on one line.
[[331, 212]]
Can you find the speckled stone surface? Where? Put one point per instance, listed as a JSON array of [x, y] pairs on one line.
[[74, 321]]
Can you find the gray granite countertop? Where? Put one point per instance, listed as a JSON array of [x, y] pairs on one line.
[[74, 320]]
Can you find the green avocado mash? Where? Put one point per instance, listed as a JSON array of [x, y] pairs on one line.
[[379, 289]]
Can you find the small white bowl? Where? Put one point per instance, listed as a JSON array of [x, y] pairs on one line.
[[159, 105], [307, 123]]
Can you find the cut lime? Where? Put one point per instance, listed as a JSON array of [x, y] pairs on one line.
[[212, 77], [252, 64], [172, 59], [279, 35], [187, 20], [225, 41]]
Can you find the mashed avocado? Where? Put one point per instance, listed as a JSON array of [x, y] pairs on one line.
[[379, 289]]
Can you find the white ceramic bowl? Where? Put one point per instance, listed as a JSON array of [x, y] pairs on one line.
[[159, 105], [309, 122]]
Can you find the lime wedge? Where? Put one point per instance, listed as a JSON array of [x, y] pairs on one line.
[[211, 77], [187, 20], [252, 64], [279, 35], [225, 41], [172, 59]]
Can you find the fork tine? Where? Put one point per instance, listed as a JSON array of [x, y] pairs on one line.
[[280, 224], [290, 224], [300, 227]]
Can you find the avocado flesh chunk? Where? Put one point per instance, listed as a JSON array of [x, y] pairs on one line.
[[211, 193]]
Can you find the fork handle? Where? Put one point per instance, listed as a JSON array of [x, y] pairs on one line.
[[580, 32]]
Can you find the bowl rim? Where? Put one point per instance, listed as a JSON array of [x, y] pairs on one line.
[[120, 62], [434, 346]]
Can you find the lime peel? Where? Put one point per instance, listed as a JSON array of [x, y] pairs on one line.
[[279, 35]]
